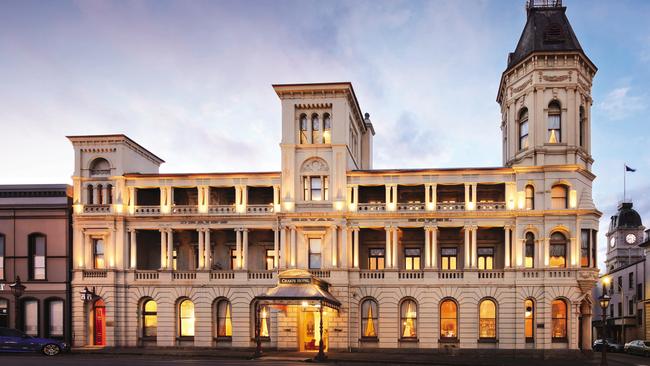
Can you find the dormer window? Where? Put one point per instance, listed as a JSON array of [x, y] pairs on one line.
[[554, 123], [100, 166], [315, 129]]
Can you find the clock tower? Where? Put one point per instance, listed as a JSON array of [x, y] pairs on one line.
[[623, 237]]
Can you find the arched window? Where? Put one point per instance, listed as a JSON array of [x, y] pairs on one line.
[[523, 129], [530, 197], [369, 318], [149, 319], [186, 318], [529, 320], [54, 317], [100, 166], [90, 189], [37, 259], [529, 250], [304, 137], [487, 322], [315, 129], [327, 129], [557, 248], [554, 123], [559, 196], [109, 194], [100, 195], [449, 320], [224, 319], [409, 317], [559, 320], [4, 313], [2, 258], [265, 321], [583, 126]]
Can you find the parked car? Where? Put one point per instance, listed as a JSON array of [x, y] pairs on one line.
[[638, 347], [612, 346], [13, 340]]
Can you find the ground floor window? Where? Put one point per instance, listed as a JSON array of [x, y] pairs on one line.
[[265, 321], [448, 319], [150, 319], [408, 311], [224, 319], [4, 313], [529, 320], [559, 320], [186, 318], [55, 318], [487, 320], [369, 318], [30, 317]]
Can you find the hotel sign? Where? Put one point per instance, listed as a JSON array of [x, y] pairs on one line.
[[295, 281]]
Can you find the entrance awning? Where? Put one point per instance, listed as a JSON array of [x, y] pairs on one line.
[[296, 286]]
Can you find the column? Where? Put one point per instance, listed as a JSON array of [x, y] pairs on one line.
[[434, 247], [95, 195], [133, 249], [344, 246], [427, 245], [466, 246], [112, 249], [294, 248], [474, 245], [201, 263], [283, 247], [389, 253], [334, 231], [388, 199], [163, 249], [355, 254], [276, 246], [349, 239], [170, 249], [546, 253], [395, 247], [207, 256], [434, 196], [238, 263], [80, 249], [244, 263], [474, 194], [467, 198], [507, 253]]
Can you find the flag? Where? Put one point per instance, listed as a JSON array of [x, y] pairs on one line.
[[628, 169]]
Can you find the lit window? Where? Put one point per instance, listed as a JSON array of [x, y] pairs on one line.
[[559, 196], [149, 319], [270, 259], [412, 258], [224, 319], [554, 123], [304, 139], [186, 318], [559, 320], [316, 188], [523, 129], [327, 129], [314, 253], [30, 317], [530, 197], [585, 237], [448, 258], [37, 255], [409, 319], [529, 259], [448, 320], [98, 253], [2, 257], [55, 318], [376, 258], [369, 318], [485, 258], [265, 321], [4, 313], [315, 129], [529, 320], [557, 250], [487, 319]]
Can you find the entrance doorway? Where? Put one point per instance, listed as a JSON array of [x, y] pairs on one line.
[[99, 323], [309, 326]]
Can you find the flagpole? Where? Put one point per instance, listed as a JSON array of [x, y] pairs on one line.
[[624, 174]]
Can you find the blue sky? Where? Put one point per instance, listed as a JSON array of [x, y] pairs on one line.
[[191, 80]]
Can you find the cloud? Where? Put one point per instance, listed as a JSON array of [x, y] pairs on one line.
[[620, 104]]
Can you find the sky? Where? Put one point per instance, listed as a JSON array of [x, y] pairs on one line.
[[191, 81]]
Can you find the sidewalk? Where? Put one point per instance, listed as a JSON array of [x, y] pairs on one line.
[[390, 357]]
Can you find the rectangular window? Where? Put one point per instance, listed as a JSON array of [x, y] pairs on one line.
[[270, 259], [630, 307], [30, 311], [620, 283], [314, 253], [376, 258], [98, 253], [448, 258], [412, 258], [2, 257], [611, 311], [485, 258], [620, 309], [557, 255], [594, 247], [585, 242], [523, 135], [639, 290], [316, 188], [554, 135], [630, 280], [38, 257], [529, 261], [55, 326]]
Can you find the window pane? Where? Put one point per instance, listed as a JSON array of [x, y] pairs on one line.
[[56, 318], [487, 319], [528, 319], [448, 320], [409, 319], [265, 321], [559, 317], [31, 317], [369, 318], [2, 257], [452, 263], [187, 318], [316, 189], [224, 319]]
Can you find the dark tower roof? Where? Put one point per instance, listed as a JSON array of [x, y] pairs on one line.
[[547, 30], [626, 217]]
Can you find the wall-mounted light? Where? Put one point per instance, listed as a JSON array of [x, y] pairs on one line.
[[339, 205], [78, 208], [117, 208]]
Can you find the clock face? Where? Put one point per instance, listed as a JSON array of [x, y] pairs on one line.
[[630, 238], [612, 242]]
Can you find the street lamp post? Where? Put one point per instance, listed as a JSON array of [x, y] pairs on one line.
[[17, 289], [321, 346], [604, 304], [258, 338]]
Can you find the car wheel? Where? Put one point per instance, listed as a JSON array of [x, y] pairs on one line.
[[51, 350]]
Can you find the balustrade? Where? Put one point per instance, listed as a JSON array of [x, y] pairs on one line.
[[97, 209], [147, 210], [371, 207]]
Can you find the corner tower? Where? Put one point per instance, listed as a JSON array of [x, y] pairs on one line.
[[545, 93]]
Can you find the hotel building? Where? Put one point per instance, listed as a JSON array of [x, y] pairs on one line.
[[500, 258]]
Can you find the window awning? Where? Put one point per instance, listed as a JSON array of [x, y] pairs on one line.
[[297, 286]]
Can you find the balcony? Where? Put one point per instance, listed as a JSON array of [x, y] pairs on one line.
[[260, 209], [221, 209], [371, 207], [450, 206], [97, 209], [147, 210], [490, 206]]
